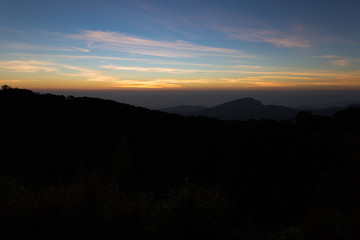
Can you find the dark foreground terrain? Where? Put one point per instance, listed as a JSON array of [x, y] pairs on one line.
[[90, 168]]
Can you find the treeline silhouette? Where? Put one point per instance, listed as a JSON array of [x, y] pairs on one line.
[[78, 167]]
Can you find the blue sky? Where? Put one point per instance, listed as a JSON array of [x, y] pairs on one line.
[[203, 45]]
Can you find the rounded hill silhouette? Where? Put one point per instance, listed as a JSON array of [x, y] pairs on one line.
[[248, 108]]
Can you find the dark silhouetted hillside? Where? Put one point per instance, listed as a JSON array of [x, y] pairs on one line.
[[87, 167]]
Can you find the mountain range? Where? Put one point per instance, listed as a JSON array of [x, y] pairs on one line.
[[250, 108]]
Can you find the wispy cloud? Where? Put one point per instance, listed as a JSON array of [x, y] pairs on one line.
[[151, 69], [337, 60], [327, 56], [10, 30], [74, 49], [340, 62], [254, 67], [84, 57], [132, 44], [89, 74], [30, 66], [31, 47], [275, 37], [307, 80], [6, 81], [157, 83], [237, 69], [127, 59], [143, 84], [295, 73]]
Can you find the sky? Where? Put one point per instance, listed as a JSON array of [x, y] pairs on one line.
[[180, 45]]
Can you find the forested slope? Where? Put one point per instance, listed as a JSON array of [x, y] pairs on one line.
[[91, 167]]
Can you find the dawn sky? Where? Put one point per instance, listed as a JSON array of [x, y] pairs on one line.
[[197, 44]]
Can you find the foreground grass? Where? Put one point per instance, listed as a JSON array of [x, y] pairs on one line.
[[96, 207]]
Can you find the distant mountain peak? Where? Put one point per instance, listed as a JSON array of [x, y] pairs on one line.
[[248, 108], [242, 102]]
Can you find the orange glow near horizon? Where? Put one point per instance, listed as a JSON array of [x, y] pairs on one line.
[[36, 74]]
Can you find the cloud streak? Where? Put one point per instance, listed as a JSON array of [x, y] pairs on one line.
[[256, 71], [32, 47], [10, 30], [337, 60], [144, 84], [89, 74], [214, 69], [113, 81], [275, 37], [132, 44], [307, 80], [157, 83], [30, 66], [151, 69], [340, 62]]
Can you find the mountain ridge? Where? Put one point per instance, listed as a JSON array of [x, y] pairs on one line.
[[250, 108]]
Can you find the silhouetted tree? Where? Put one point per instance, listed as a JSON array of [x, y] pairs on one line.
[[6, 87]]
